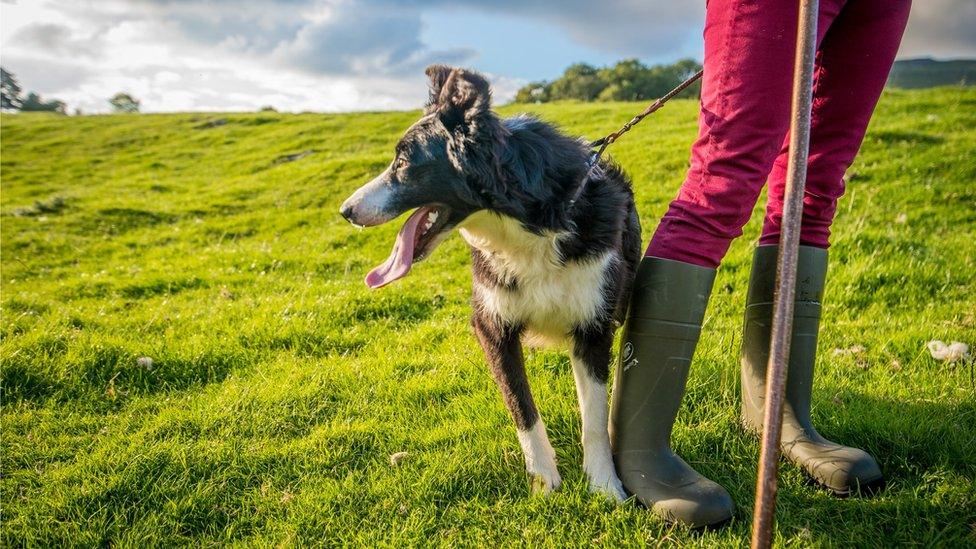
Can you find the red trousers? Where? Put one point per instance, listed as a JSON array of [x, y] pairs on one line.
[[745, 113]]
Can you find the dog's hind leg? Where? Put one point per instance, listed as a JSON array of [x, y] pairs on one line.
[[591, 365], [503, 349]]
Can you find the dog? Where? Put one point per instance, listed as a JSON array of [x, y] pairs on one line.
[[554, 249]]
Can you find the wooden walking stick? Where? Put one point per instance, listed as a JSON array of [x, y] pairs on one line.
[[789, 242]]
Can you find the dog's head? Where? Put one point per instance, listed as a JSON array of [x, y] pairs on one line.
[[443, 166]]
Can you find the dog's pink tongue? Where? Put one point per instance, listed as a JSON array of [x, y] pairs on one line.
[[401, 258]]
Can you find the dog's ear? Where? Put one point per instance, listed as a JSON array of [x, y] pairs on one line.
[[461, 95], [438, 75]]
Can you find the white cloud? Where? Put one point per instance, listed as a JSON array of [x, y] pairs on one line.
[[331, 55], [166, 77], [942, 28], [150, 55]]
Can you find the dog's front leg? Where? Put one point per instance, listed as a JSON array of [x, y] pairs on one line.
[[591, 366], [503, 349]]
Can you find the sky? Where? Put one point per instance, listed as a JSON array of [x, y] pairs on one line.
[[346, 55]]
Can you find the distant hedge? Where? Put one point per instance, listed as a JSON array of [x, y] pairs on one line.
[[628, 80], [631, 80], [927, 73]]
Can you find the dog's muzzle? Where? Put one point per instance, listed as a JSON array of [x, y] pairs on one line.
[[371, 204]]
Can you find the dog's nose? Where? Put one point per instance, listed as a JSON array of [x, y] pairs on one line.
[[346, 212]]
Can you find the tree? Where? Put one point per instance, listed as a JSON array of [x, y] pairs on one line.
[[628, 80], [671, 75], [534, 92], [123, 102], [35, 103], [10, 98], [580, 81]]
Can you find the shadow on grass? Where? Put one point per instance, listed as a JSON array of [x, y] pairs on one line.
[[927, 451], [911, 439], [105, 373], [914, 139], [397, 309], [303, 343], [160, 286], [116, 221]]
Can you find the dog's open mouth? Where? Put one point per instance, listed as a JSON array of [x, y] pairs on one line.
[[420, 234]]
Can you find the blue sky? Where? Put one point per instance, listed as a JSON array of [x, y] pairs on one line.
[[533, 49], [500, 42], [342, 55]]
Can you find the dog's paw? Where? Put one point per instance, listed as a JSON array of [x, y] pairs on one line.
[[610, 487], [544, 482], [599, 469]]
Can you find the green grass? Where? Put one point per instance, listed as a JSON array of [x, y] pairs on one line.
[[280, 385]]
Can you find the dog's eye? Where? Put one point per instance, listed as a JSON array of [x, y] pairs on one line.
[[400, 163]]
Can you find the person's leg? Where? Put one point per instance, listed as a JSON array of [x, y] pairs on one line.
[[745, 108], [853, 62], [749, 49]]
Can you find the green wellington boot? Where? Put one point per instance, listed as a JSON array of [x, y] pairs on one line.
[[663, 324], [841, 469]]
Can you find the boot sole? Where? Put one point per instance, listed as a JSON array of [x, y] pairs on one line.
[[867, 489], [714, 526], [671, 522], [699, 528]]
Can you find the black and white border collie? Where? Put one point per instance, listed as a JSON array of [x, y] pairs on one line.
[[547, 270]]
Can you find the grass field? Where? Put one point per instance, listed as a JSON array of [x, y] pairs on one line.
[[279, 385]]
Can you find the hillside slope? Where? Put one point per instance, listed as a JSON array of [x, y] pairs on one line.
[[189, 355]]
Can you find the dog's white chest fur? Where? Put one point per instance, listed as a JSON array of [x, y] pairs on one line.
[[549, 299]]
